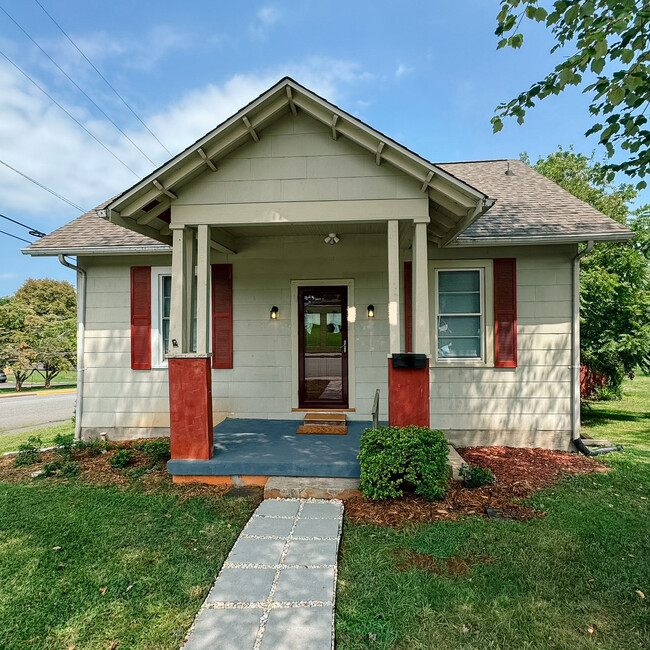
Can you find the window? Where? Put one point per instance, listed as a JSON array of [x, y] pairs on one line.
[[460, 314], [161, 297]]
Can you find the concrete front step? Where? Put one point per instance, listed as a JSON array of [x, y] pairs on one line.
[[334, 419], [305, 487]]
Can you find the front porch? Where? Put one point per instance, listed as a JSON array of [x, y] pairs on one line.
[[262, 448]]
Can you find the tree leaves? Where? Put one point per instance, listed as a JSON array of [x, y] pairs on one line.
[[609, 38]]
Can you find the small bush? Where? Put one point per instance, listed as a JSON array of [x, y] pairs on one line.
[[397, 458], [159, 451], [134, 473], [64, 443], [70, 469], [53, 468], [93, 447], [476, 477], [28, 452], [122, 458]]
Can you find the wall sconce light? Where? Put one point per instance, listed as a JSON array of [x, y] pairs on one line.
[[274, 313], [371, 311]]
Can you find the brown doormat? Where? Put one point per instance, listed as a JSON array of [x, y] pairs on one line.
[[323, 429]]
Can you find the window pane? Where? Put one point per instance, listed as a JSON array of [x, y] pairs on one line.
[[459, 347], [451, 326], [459, 303], [459, 281], [166, 294], [165, 336]]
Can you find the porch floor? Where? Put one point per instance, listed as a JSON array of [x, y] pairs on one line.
[[253, 447]]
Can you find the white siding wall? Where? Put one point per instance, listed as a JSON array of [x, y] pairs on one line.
[[529, 405]]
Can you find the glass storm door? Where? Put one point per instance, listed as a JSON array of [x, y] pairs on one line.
[[323, 347]]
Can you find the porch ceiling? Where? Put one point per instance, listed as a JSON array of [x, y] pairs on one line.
[[454, 204], [315, 229]]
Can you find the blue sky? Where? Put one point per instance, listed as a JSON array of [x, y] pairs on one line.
[[426, 73]]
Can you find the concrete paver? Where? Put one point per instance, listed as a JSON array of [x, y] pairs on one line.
[[277, 587]]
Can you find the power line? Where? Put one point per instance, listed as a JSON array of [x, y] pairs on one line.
[[75, 84], [15, 237], [32, 231], [47, 189], [102, 76], [70, 115]]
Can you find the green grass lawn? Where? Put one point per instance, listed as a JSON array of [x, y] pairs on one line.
[[566, 581], [36, 381], [11, 441]]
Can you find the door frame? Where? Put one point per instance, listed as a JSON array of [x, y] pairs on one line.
[[295, 353]]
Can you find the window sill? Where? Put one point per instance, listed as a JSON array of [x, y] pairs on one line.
[[460, 363]]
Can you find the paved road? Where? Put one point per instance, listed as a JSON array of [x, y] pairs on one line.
[[33, 411]]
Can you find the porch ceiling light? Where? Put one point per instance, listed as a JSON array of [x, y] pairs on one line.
[[371, 311], [274, 313], [332, 239]]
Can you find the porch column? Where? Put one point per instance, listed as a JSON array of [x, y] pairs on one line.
[[421, 335], [190, 378], [393, 288]]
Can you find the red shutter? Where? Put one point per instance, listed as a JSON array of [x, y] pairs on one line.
[[505, 313], [140, 317], [222, 315]]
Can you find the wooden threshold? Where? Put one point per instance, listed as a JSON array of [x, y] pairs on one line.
[[323, 410]]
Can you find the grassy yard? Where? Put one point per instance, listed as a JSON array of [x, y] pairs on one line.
[[85, 567], [567, 581], [37, 381], [11, 441]]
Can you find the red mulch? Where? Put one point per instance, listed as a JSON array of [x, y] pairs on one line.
[[519, 473]]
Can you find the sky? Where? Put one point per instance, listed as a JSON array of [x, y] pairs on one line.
[[427, 74]]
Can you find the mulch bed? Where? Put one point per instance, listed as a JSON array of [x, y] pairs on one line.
[[96, 470], [519, 473]]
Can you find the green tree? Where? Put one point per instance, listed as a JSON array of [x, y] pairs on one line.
[[606, 43], [38, 330], [615, 278]]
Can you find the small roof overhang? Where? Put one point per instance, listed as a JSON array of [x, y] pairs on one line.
[[454, 204]]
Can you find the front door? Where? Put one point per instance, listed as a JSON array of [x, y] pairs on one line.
[[323, 347]]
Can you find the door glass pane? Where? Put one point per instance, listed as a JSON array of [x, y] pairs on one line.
[[165, 305], [323, 345]]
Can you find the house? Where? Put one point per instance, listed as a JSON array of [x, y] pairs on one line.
[[295, 260]]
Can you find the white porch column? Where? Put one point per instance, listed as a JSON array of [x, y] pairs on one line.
[[421, 336], [180, 318], [393, 287], [203, 290]]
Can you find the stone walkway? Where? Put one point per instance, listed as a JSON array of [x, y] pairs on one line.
[[276, 589]]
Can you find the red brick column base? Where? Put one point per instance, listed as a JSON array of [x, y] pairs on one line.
[[408, 396], [190, 408]]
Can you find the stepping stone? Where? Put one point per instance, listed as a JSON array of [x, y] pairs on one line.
[[250, 551], [278, 508], [242, 585], [268, 527], [295, 585], [321, 511], [307, 629], [323, 528], [311, 552], [226, 629]]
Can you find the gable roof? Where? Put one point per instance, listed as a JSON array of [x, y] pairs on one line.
[[530, 208]]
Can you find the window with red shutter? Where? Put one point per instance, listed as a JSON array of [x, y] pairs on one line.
[[505, 313], [140, 317], [222, 315]]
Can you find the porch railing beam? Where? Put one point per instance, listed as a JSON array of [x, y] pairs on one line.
[[421, 336]]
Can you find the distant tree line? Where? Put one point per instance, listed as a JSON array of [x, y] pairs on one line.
[[38, 330]]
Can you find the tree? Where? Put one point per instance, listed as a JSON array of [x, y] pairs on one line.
[[615, 278], [38, 330], [607, 43]]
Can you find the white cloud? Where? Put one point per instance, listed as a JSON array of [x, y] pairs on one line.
[[402, 70], [266, 17], [38, 139]]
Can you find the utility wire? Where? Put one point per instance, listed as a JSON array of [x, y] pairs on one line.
[[47, 189], [75, 84], [15, 237], [32, 231], [103, 77], [70, 115]]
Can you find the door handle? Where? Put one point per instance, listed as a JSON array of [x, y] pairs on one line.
[[345, 347]]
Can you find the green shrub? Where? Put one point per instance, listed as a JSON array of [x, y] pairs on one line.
[[475, 476], [93, 447], [122, 458], [134, 472], [64, 443], [28, 452], [70, 469], [159, 451], [53, 468], [397, 458]]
